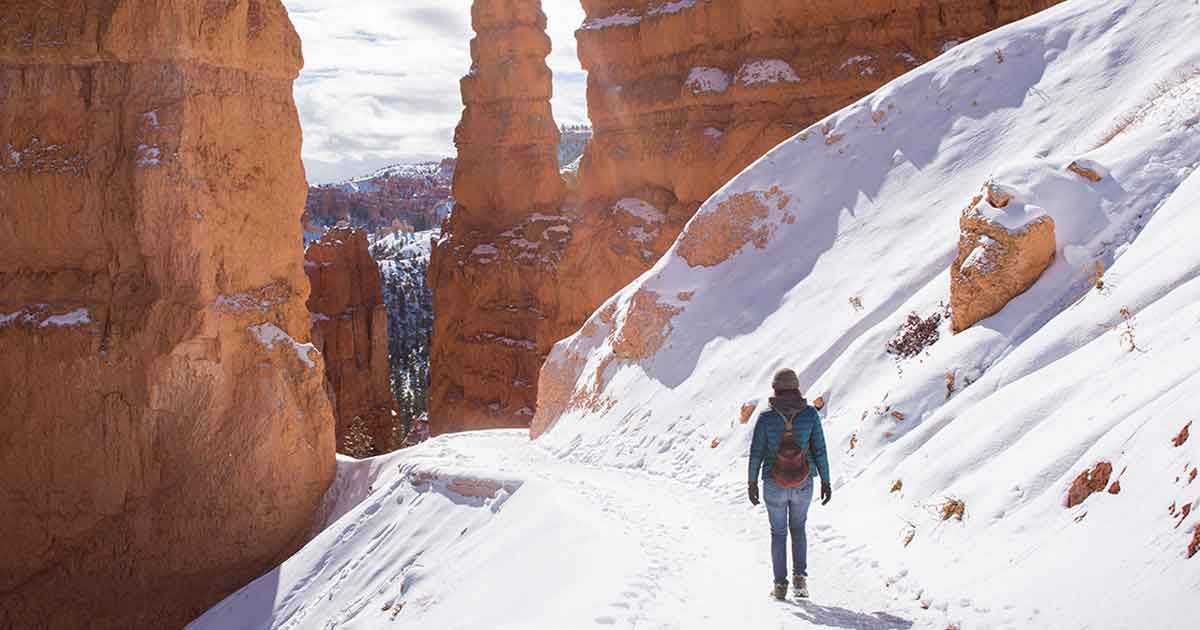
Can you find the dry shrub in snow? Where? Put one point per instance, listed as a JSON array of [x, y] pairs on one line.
[[357, 442], [953, 508], [1127, 332], [1160, 89], [917, 334], [1096, 275]]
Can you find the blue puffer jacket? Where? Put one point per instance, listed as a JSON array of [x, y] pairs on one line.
[[768, 431]]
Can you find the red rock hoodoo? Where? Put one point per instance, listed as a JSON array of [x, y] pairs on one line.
[[682, 96], [350, 328], [165, 435], [494, 270]]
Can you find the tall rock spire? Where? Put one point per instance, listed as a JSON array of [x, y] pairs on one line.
[[491, 268]]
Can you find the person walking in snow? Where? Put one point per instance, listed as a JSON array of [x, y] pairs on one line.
[[788, 441]]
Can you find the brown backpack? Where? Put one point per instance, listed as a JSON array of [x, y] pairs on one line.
[[791, 463]]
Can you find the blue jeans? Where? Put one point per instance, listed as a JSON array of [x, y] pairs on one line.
[[787, 509]]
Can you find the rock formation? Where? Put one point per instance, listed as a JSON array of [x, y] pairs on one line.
[[494, 270], [350, 328], [414, 197], [1089, 482], [165, 434], [998, 259], [682, 96]]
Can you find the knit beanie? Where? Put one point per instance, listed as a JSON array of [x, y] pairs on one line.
[[785, 380]]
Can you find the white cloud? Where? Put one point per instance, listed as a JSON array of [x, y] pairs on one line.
[[380, 82]]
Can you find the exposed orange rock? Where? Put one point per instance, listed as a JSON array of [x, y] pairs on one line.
[[1194, 546], [1089, 482], [747, 412], [165, 437], [1182, 436], [739, 220], [645, 328], [1084, 172], [897, 486], [493, 273], [350, 328], [995, 263], [682, 96]]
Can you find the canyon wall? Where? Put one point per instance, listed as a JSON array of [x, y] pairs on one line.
[[682, 96], [493, 271], [412, 197], [350, 329], [165, 436]]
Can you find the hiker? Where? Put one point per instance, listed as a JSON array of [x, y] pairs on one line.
[[787, 441]]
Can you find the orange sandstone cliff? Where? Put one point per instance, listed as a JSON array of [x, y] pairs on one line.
[[682, 96], [350, 328], [493, 273], [164, 433]]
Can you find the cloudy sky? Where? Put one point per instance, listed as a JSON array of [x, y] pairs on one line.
[[380, 80]]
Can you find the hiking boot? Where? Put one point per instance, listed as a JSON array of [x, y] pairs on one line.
[[800, 586], [780, 591]]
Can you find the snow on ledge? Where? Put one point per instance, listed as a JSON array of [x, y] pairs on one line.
[[77, 317], [623, 18], [704, 80], [641, 210], [767, 71], [672, 7], [270, 334]]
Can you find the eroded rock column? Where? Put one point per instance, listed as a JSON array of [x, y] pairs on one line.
[[350, 328], [493, 272], [164, 433]]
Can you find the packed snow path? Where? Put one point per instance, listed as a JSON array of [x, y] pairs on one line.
[[572, 546]]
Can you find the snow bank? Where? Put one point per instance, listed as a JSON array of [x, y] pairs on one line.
[[436, 536], [1003, 416], [269, 335]]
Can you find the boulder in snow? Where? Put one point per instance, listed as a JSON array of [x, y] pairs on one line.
[[998, 259]]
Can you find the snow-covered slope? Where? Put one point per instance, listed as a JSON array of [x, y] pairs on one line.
[[858, 228]]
